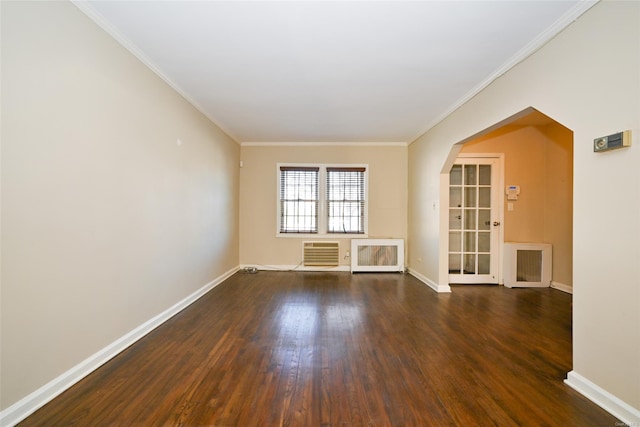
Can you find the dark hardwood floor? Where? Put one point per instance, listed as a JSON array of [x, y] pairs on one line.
[[335, 349]]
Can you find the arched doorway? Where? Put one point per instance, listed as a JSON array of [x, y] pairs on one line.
[[538, 158]]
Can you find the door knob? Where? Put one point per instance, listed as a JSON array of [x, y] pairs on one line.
[[496, 223]]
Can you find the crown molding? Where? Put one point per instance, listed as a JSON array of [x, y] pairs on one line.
[[100, 20], [533, 46], [322, 144]]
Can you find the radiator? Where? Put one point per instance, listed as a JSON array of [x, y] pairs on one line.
[[527, 265], [377, 255], [320, 254]]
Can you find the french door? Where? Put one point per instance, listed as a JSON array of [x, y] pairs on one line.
[[474, 220]]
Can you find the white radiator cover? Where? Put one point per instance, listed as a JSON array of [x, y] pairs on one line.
[[377, 255], [527, 265]]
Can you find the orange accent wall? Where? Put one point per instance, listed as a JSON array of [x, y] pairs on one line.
[[540, 160]]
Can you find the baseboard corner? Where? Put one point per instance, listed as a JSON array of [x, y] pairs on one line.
[[441, 289], [607, 401], [562, 287]]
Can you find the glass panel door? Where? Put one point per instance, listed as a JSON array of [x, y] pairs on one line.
[[473, 222]]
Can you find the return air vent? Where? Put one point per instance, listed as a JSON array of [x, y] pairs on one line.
[[320, 254], [527, 265]]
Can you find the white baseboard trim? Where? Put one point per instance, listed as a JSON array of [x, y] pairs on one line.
[[37, 399], [433, 285], [607, 401], [295, 267], [562, 287]]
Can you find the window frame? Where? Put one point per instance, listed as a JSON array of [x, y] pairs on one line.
[[346, 185], [322, 201]]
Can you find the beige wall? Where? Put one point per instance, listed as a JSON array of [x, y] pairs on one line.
[[568, 79], [259, 194], [540, 160], [106, 221], [558, 200]]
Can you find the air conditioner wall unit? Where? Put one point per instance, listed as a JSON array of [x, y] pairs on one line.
[[377, 255], [320, 254]]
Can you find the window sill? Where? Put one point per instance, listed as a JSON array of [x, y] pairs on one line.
[[332, 236]]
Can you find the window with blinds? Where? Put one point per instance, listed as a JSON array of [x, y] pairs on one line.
[[345, 195], [322, 200], [299, 197]]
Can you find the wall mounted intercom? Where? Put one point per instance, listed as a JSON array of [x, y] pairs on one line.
[[512, 192]]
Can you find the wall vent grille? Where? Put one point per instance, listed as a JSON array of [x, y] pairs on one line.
[[527, 265], [320, 254]]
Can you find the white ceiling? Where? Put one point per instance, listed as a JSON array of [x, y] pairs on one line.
[[331, 71]]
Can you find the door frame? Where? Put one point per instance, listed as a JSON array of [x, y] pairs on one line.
[[444, 210]]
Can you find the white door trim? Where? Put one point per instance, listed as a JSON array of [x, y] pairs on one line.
[[444, 213]]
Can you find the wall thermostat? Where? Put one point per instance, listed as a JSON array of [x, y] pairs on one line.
[[611, 142]]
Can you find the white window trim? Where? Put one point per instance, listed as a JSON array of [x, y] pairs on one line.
[[322, 202]]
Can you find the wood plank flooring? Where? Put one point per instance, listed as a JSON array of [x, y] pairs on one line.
[[336, 349]]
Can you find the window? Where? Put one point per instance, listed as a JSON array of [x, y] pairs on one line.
[[322, 199], [298, 200], [345, 200]]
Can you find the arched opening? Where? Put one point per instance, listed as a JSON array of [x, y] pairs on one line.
[[537, 153]]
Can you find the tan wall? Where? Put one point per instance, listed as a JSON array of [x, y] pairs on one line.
[[565, 80], [558, 212], [540, 160], [259, 244], [524, 165], [106, 221]]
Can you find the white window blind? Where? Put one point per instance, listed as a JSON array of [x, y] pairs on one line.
[[345, 194], [299, 199]]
